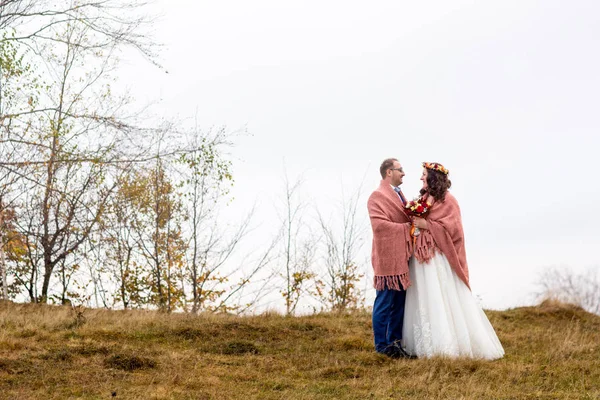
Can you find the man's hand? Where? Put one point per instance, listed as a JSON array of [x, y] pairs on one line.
[[420, 223]]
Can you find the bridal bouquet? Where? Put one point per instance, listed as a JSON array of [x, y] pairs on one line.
[[417, 208]]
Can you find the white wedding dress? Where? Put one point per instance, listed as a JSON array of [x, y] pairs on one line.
[[442, 317]]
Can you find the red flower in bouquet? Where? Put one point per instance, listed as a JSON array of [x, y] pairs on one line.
[[418, 207]]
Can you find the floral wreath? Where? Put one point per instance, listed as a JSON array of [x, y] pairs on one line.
[[436, 167]]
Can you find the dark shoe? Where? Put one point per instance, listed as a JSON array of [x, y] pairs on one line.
[[396, 351], [390, 352]]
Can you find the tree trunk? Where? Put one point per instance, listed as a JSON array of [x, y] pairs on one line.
[[48, 268], [3, 258]]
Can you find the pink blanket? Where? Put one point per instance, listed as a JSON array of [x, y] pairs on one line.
[[445, 234], [392, 244]]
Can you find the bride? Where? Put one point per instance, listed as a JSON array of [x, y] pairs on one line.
[[442, 317]]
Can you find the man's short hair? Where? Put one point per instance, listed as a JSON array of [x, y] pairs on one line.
[[385, 165]]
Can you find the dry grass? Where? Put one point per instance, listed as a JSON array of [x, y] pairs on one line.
[[47, 352]]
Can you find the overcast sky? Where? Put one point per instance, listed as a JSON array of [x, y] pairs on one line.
[[504, 93]]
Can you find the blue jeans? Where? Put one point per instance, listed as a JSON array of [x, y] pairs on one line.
[[388, 317]]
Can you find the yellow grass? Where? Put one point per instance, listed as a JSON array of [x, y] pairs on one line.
[[47, 352]]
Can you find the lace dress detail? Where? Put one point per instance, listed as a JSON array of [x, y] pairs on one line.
[[442, 318]]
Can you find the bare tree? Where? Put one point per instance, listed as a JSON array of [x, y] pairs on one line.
[[69, 140], [298, 246], [110, 23], [338, 288], [566, 285], [3, 274], [68, 134], [155, 226], [260, 284], [13, 10], [207, 180], [67, 125]]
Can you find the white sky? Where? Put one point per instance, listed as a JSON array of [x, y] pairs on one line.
[[504, 93]]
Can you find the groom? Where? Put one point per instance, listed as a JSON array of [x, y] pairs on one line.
[[392, 247]]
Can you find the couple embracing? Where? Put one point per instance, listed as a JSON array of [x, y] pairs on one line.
[[423, 305]]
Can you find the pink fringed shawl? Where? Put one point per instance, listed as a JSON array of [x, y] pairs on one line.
[[445, 234], [392, 244]]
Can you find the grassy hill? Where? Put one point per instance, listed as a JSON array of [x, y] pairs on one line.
[[49, 352]]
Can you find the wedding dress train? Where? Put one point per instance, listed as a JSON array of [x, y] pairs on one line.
[[443, 318]]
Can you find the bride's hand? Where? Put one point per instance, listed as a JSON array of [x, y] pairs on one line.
[[420, 223]]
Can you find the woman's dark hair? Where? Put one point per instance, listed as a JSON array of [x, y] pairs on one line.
[[437, 184]]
